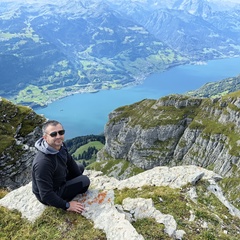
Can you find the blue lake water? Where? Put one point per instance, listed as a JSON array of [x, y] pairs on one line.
[[84, 114]]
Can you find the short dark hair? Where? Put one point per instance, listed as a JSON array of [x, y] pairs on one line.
[[49, 122]]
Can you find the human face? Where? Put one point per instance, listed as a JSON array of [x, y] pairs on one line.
[[55, 142]]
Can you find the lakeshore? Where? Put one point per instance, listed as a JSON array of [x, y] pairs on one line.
[[87, 113]]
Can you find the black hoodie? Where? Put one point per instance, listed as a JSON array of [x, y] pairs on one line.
[[50, 170]]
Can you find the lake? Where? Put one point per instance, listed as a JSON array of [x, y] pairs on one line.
[[85, 114]]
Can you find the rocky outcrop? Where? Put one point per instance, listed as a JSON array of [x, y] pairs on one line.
[[115, 220], [195, 7], [16, 173], [176, 130], [19, 130]]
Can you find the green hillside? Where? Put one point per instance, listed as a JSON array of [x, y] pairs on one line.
[[217, 89]]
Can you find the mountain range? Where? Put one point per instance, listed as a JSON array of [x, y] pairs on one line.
[[51, 50]]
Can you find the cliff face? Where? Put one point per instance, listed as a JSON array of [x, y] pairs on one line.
[[19, 130], [176, 130]]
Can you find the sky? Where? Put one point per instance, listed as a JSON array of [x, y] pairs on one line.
[[233, 1]]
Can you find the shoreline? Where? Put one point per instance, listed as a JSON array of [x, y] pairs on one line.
[[90, 88], [138, 81], [85, 114]]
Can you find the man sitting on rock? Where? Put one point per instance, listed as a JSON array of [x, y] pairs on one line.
[[56, 177]]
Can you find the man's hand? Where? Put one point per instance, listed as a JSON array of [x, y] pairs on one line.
[[75, 207]]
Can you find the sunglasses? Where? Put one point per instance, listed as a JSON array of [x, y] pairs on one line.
[[54, 134]]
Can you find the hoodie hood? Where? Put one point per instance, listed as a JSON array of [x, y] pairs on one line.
[[43, 146]]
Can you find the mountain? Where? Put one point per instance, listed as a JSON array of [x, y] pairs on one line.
[[177, 130], [18, 132], [195, 7], [196, 29], [51, 50], [54, 50]]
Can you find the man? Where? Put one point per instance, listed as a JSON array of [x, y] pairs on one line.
[[56, 177]]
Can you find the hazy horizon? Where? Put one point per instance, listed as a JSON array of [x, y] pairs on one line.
[[50, 1]]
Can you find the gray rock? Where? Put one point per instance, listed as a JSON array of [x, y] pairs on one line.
[[23, 200], [179, 142], [99, 200]]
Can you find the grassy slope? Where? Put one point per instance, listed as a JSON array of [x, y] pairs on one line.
[[217, 89], [98, 145], [59, 224]]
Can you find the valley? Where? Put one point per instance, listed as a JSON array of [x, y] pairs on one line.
[[148, 92], [52, 50]]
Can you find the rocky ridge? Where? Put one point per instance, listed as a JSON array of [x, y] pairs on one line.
[[176, 130], [149, 134], [19, 129], [100, 207]]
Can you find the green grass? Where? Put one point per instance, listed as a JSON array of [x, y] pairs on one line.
[[143, 114], [38, 95], [3, 192], [121, 166], [58, 224], [231, 187], [154, 231], [98, 145], [175, 202], [54, 224]]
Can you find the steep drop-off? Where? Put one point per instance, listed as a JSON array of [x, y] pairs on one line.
[[177, 130]]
